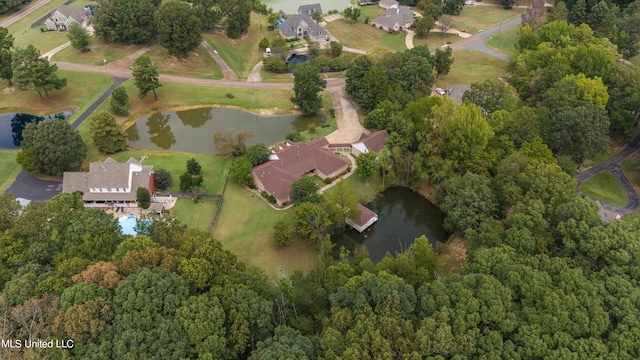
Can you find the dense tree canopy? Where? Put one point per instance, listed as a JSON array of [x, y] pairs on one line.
[[32, 72], [145, 74], [178, 28], [6, 46], [107, 134], [307, 83], [130, 22]]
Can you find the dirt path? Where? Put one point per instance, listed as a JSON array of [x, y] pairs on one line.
[[349, 128], [22, 13]]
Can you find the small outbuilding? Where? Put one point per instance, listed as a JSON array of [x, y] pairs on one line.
[[366, 218]]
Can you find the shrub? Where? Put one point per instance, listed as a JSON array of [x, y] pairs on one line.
[[264, 194], [229, 96], [283, 231], [332, 112], [143, 197], [264, 43], [328, 181], [154, 107], [193, 167], [294, 136], [312, 128], [271, 199], [162, 179]]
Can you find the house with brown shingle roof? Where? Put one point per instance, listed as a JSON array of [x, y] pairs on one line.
[[373, 142], [292, 160], [365, 219], [110, 183]]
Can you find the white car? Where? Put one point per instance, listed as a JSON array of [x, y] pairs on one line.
[[469, 3], [440, 91]]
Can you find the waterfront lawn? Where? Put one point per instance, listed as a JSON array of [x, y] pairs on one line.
[[364, 189], [43, 41], [82, 90], [214, 168], [195, 215], [100, 50], [605, 187], [471, 66], [199, 64], [504, 42], [475, 18], [244, 227], [10, 169]]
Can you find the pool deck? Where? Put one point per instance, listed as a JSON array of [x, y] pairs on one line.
[[137, 212]]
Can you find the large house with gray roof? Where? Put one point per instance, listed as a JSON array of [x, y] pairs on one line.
[[301, 25], [65, 15], [395, 19], [310, 9], [110, 183]]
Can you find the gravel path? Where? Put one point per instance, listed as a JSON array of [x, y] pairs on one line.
[[255, 75]]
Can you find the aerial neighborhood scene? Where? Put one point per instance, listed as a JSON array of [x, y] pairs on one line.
[[340, 179]]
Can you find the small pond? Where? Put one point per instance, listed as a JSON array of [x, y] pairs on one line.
[[12, 124], [291, 7], [403, 215], [192, 130]]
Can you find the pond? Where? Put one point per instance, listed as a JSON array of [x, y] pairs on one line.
[[291, 7], [12, 124], [403, 215], [192, 130]]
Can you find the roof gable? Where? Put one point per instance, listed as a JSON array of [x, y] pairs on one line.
[[77, 14], [310, 9]]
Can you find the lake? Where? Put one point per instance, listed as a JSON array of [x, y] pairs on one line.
[[291, 7], [12, 124], [192, 130], [403, 215]]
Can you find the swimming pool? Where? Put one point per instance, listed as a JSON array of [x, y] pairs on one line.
[[128, 224]]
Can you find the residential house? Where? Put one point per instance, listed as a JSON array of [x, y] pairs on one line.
[[110, 183], [301, 25], [388, 4], [292, 160], [65, 15], [365, 219], [310, 9], [395, 19], [367, 142]]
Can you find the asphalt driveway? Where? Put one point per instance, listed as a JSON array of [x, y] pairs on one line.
[[29, 187]]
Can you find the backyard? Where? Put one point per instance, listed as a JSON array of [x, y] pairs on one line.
[[10, 169], [244, 227], [195, 215]]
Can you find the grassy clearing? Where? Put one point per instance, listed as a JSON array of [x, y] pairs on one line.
[[100, 50], [632, 218], [635, 60], [241, 54], [195, 215], [10, 169], [244, 227], [504, 42], [199, 64], [365, 37], [81, 91], [364, 190], [43, 41], [214, 168], [475, 18], [630, 168], [605, 187], [469, 67], [435, 40]]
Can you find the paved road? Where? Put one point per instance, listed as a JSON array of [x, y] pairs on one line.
[[226, 70], [117, 81], [22, 13], [613, 165], [476, 42]]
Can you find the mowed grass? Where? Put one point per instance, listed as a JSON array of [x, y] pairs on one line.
[[475, 18], [631, 170], [43, 41], [100, 50], [605, 187], [195, 215], [81, 91], [470, 66], [244, 227], [504, 42], [241, 54], [214, 168], [364, 190], [435, 40], [365, 36], [635, 60], [198, 64], [9, 169]]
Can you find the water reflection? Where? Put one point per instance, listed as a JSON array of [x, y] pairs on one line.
[[195, 117], [133, 134], [12, 125], [19, 122], [160, 131], [403, 216]]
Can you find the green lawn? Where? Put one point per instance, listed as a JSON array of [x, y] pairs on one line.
[[43, 41], [244, 227], [605, 187], [364, 190], [365, 36], [635, 60], [195, 215], [100, 50], [241, 54], [469, 67], [435, 40], [10, 169], [475, 18], [214, 168], [504, 42], [630, 168], [81, 91], [199, 64]]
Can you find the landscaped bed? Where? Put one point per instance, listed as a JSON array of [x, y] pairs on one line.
[[605, 187]]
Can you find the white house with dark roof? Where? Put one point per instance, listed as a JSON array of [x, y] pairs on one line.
[[395, 19], [65, 15], [310, 9], [110, 183], [301, 25]]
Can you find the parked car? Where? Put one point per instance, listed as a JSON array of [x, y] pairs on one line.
[[469, 3], [440, 91]]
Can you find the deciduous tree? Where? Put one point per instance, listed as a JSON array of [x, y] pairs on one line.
[[146, 76], [366, 164], [304, 189], [307, 83], [162, 179], [258, 154], [443, 61], [107, 134], [78, 36], [6, 46], [241, 171], [119, 99], [178, 28], [32, 72]]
